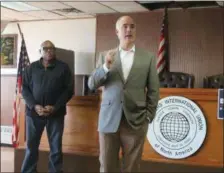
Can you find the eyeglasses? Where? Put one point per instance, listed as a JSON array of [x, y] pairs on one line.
[[48, 48]]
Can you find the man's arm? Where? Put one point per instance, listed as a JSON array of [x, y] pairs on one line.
[[68, 90], [152, 90], [26, 92], [99, 75]]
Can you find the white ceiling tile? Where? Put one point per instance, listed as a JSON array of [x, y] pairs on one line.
[[125, 6], [90, 7], [6, 18], [18, 6], [8, 13], [47, 0], [114, 0], [117, 4], [150, 1], [64, 0], [3, 17], [45, 15], [48, 5], [78, 15], [132, 9], [29, 0], [73, 14], [77, 0]]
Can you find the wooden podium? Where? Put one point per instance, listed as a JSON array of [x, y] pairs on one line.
[[81, 136], [211, 151]]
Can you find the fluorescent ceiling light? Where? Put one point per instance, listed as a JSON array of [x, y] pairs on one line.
[[18, 6], [48, 5], [44, 15], [114, 0], [125, 6], [15, 15], [149, 1], [91, 7]]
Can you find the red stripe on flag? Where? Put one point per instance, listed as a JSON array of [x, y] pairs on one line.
[[15, 125], [161, 37], [161, 50], [161, 62], [19, 83]]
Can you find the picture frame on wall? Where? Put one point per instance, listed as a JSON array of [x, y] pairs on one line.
[[9, 51]]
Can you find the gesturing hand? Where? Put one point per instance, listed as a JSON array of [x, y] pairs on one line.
[[109, 58]]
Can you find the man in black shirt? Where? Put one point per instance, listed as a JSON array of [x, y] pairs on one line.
[[47, 86]]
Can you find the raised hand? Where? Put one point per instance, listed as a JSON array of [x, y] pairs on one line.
[[109, 58]]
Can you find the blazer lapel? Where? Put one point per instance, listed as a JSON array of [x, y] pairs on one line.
[[117, 64], [134, 64]]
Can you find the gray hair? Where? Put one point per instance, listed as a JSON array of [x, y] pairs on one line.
[[119, 19], [118, 22]]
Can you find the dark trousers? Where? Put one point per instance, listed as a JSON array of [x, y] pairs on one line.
[[34, 129]]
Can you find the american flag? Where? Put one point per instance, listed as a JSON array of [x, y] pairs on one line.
[[23, 63], [162, 51]]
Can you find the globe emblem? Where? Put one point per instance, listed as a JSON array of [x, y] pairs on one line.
[[174, 127]]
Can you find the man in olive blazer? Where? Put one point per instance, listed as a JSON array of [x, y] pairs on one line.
[[129, 99]]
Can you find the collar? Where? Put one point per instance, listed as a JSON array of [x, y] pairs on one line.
[[130, 50], [50, 65]]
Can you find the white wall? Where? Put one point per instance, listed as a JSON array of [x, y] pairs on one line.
[[78, 35], [3, 24]]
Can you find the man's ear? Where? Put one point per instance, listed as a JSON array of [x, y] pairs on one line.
[[116, 31]]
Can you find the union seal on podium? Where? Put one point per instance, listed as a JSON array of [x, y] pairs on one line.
[[178, 129]]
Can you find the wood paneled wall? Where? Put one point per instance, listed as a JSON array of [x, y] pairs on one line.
[[195, 38], [196, 42]]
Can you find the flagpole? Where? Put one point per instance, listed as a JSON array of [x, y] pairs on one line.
[[167, 40], [21, 34]]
